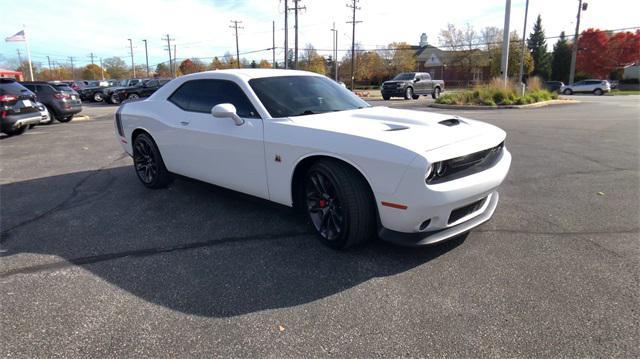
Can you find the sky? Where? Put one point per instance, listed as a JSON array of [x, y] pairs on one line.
[[201, 28]]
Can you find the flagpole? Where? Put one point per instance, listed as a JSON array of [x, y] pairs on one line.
[[26, 41]]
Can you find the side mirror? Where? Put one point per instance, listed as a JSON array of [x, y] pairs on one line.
[[227, 110]]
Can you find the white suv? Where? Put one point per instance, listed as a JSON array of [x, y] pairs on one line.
[[597, 87]]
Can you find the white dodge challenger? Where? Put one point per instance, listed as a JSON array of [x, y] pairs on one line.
[[302, 140]]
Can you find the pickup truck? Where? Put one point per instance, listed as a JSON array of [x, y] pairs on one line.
[[410, 85], [93, 91]]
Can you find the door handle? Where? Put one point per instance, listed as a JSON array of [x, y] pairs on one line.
[[184, 123]]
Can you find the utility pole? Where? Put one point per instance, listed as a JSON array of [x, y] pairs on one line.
[[353, 39], [524, 35], [504, 65], [334, 36], [169, 49], [133, 66], [91, 56], [49, 61], [73, 72], [574, 52], [101, 69], [175, 61], [286, 34], [235, 26], [273, 42], [19, 57], [296, 7], [146, 55]]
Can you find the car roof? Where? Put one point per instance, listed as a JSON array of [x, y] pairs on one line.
[[248, 74]]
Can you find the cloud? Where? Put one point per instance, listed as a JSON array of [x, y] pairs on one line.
[[201, 27]]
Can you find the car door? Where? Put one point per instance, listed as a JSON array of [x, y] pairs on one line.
[[216, 150], [418, 85], [427, 84], [579, 86]]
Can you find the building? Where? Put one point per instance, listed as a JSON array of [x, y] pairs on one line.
[[457, 68], [11, 74]]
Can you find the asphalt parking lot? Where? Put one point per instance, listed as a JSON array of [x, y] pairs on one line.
[[93, 264]]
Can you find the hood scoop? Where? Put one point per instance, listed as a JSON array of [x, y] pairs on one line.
[[395, 127], [451, 122]]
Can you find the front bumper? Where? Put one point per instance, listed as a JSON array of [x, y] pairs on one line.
[[441, 205], [432, 237], [393, 92]]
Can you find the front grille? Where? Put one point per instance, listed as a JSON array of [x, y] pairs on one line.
[[458, 213], [465, 165]]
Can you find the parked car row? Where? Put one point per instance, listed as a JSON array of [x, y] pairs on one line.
[[19, 108], [116, 91]]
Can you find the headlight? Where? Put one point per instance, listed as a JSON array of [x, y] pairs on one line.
[[435, 170]]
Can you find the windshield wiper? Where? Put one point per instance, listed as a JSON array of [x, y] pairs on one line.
[[307, 112]]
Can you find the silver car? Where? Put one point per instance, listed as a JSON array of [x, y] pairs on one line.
[[596, 87]]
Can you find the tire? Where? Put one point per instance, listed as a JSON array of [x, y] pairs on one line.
[[339, 204], [14, 131], [408, 93], [65, 119], [436, 93], [98, 97], [598, 92], [114, 99], [133, 96], [148, 164], [386, 98], [415, 97], [567, 92]]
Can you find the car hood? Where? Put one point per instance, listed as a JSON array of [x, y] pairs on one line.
[[397, 82], [417, 131]]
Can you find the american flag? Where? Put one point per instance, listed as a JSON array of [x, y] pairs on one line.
[[19, 36]]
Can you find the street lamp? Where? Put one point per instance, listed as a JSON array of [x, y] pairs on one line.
[[581, 7]]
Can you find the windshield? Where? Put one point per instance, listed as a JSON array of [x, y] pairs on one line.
[[62, 87], [286, 96], [405, 76]]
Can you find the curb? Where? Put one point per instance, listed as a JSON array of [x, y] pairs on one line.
[[512, 107], [80, 118]]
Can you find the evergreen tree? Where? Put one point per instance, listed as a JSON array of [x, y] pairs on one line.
[[561, 61], [538, 48]]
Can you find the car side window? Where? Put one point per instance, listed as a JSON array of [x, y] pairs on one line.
[[426, 77], [202, 95], [30, 87], [152, 83]]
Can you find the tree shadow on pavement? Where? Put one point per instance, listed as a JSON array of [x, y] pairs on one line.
[[194, 247]]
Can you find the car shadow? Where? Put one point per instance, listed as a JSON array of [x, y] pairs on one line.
[[193, 247]]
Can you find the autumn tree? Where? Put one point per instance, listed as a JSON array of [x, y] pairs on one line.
[[216, 64], [162, 70], [371, 68], [537, 45], [189, 66], [116, 68], [91, 72], [515, 52], [403, 58], [310, 60], [592, 58], [264, 64], [561, 59], [623, 49], [463, 50]]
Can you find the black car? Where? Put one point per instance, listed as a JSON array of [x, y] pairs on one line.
[[554, 86], [94, 90], [144, 89], [17, 107], [61, 101], [108, 92]]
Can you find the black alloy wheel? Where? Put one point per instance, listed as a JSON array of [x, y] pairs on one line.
[[339, 203], [148, 163], [324, 207], [98, 97]]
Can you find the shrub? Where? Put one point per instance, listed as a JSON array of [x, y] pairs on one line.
[[535, 84]]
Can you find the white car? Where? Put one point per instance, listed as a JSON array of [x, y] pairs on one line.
[[44, 112], [596, 87], [302, 140]]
